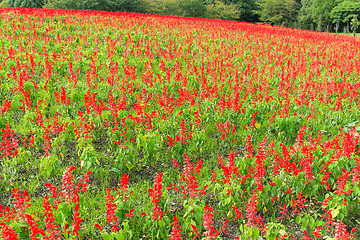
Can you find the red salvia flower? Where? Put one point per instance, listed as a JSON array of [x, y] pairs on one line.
[[208, 216], [175, 230], [238, 212], [84, 183], [8, 233], [283, 212], [182, 135], [341, 181], [67, 187], [111, 217], [340, 231], [318, 232], [253, 120], [130, 213], [34, 229], [100, 227], [214, 176], [115, 228], [251, 209], [171, 143], [225, 226], [260, 167], [175, 162], [77, 221], [306, 236], [51, 226], [5, 107], [123, 191], [9, 143], [156, 194], [195, 231], [21, 202]]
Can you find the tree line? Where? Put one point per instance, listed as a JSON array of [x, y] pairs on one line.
[[319, 15]]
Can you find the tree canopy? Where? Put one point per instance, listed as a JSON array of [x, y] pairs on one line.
[[278, 12]]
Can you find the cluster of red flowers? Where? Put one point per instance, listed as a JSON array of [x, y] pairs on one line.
[[241, 79], [156, 194]]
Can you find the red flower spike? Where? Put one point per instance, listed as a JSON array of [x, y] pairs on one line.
[[195, 231], [238, 212], [51, 226], [175, 230], [34, 229], [100, 227], [208, 216], [130, 213], [67, 187], [225, 226], [21, 203], [111, 217], [77, 221], [8, 233], [156, 194]]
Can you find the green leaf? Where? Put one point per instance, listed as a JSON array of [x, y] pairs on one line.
[[106, 236], [129, 165], [305, 224], [334, 212]]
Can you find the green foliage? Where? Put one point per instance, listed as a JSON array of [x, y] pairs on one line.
[[278, 12], [220, 10], [162, 7], [100, 5], [321, 13], [185, 8], [123, 5], [305, 14], [4, 4], [246, 7], [192, 8], [63, 4], [26, 3], [354, 24], [345, 11]]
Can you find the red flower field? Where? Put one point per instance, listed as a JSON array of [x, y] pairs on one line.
[[133, 126]]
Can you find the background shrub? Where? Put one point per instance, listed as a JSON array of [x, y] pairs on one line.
[[220, 10], [100, 5], [5, 4], [161, 7], [192, 8], [26, 3]]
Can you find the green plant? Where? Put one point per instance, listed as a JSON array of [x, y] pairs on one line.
[[220, 10], [27, 3], [192, 8], [5, 4]]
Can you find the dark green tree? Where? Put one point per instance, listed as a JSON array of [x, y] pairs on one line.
[[220, 10], [321, 13], [305, 14], [192, 8], [27, 3], [345, 12], [101, 5], [354, 24], [122, 5], [246, 7], [278, 12]]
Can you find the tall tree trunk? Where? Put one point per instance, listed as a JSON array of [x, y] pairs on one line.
[[337, 26], [319, 23]]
